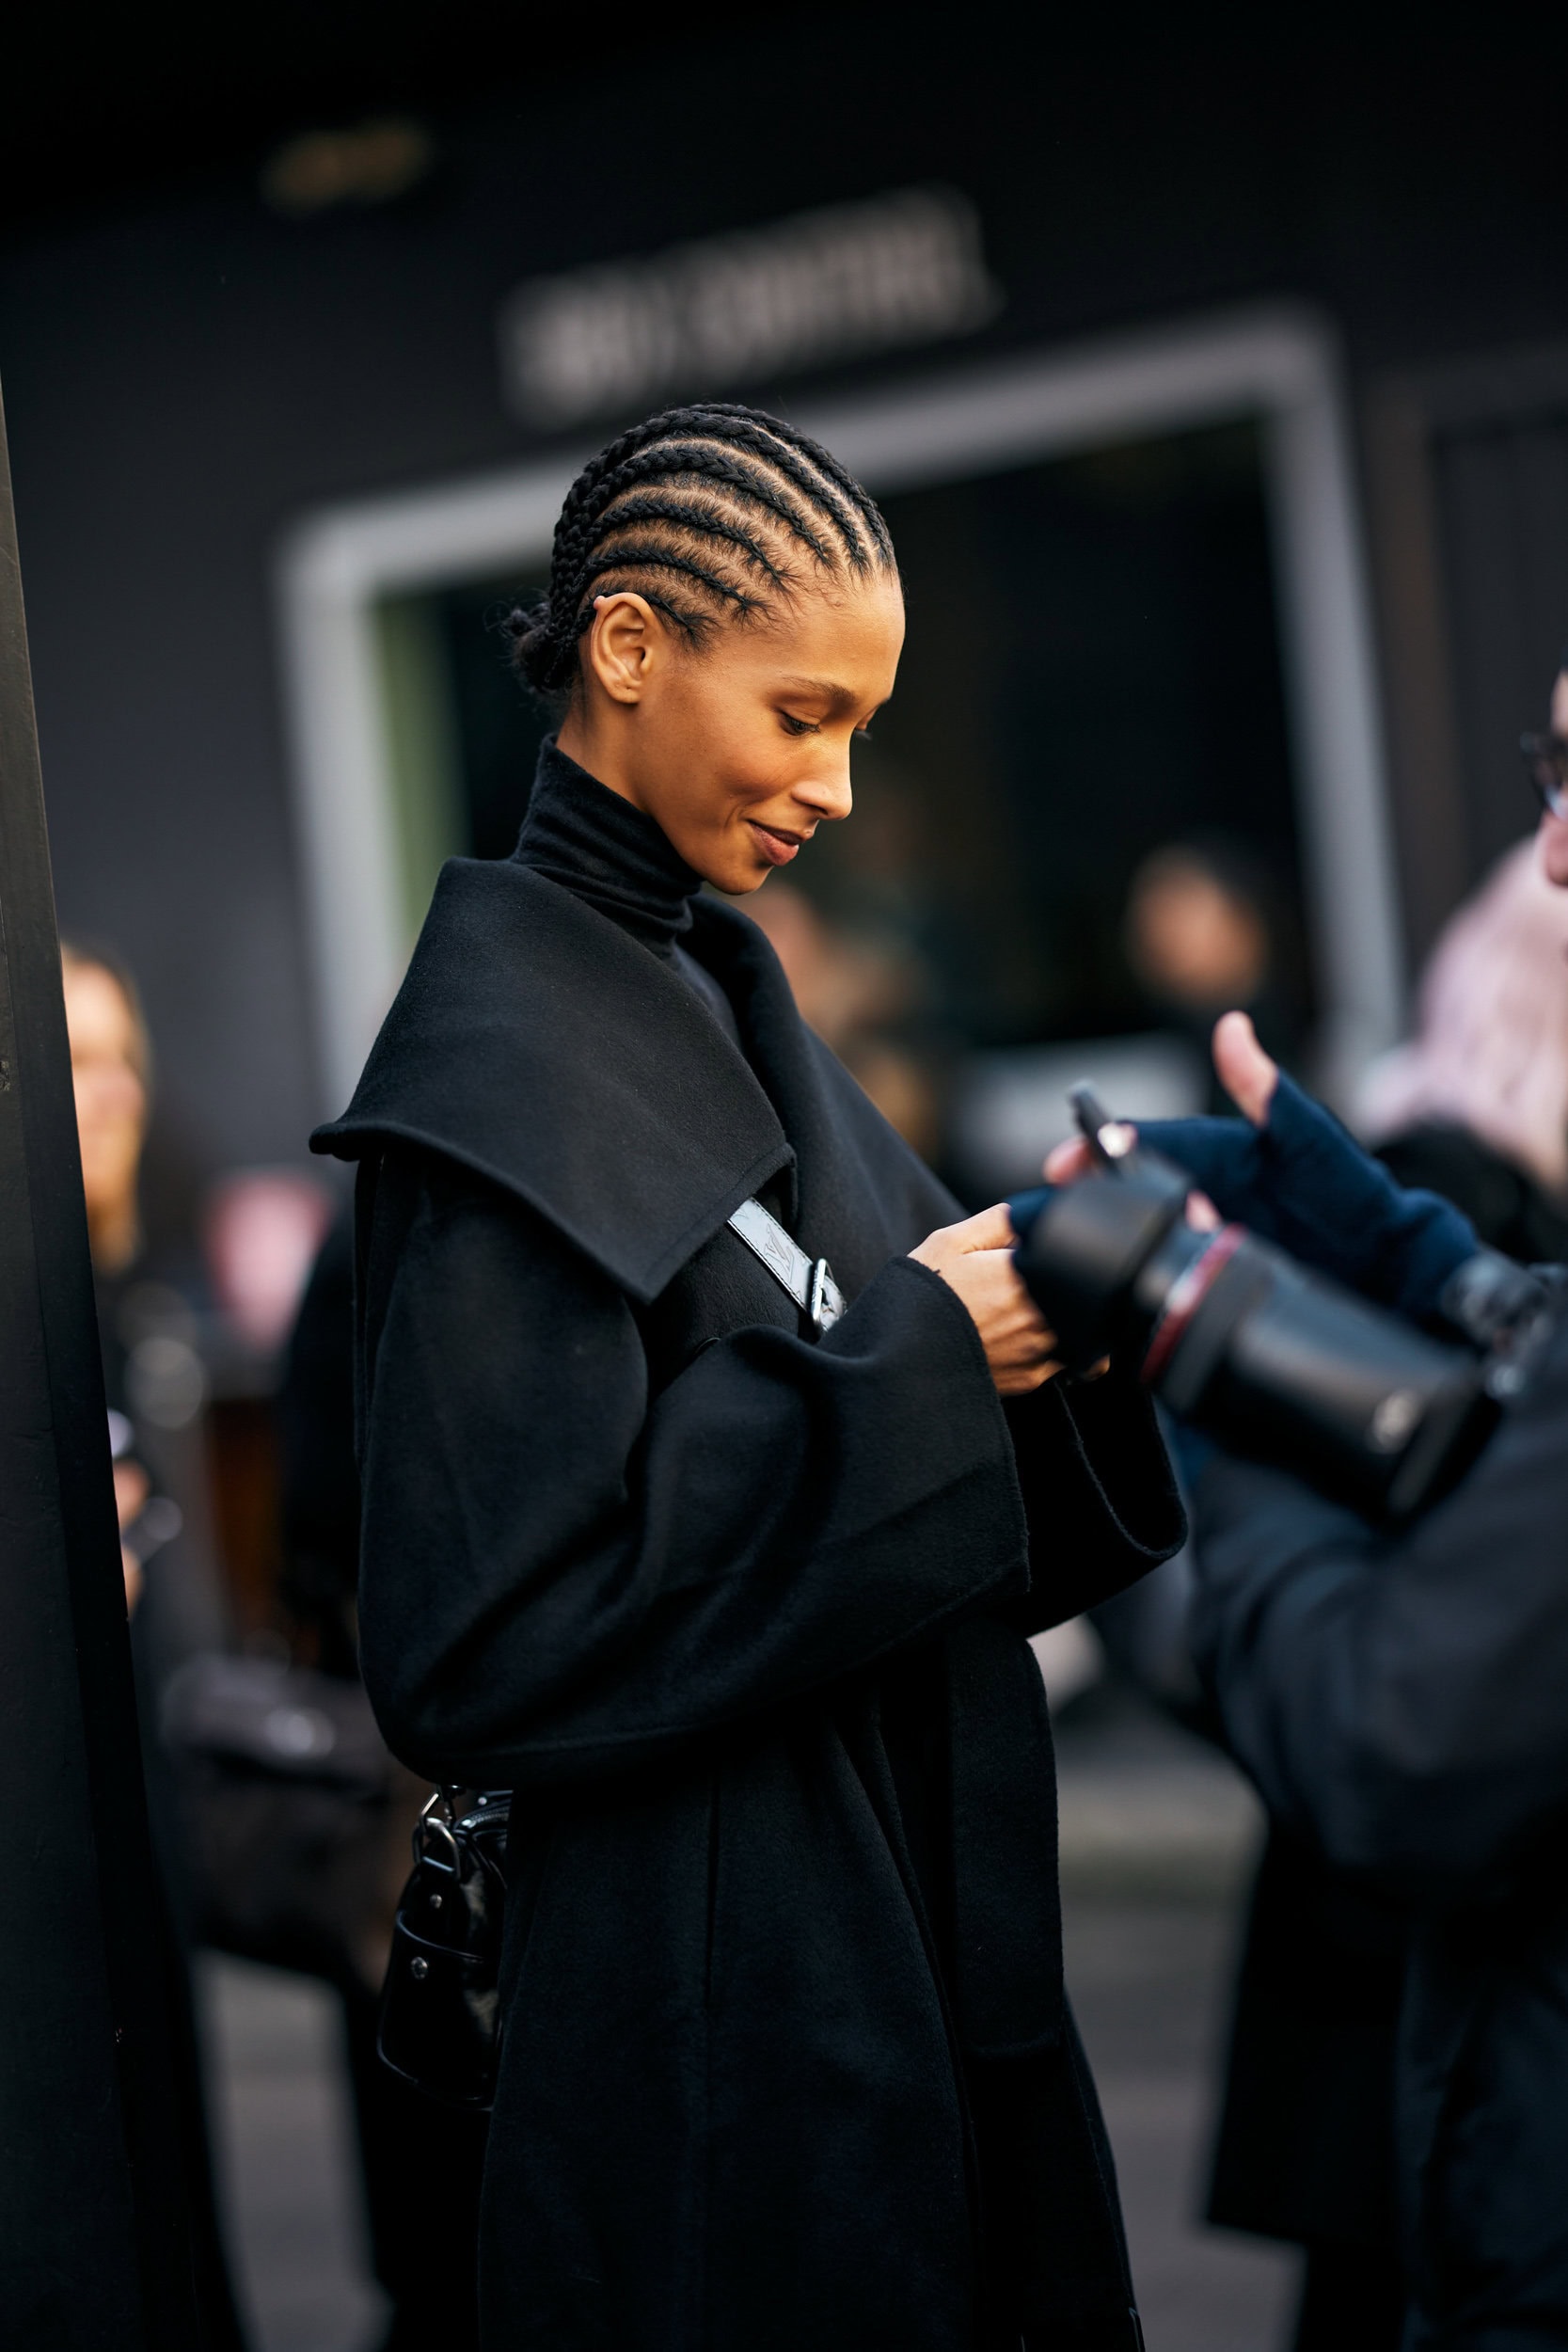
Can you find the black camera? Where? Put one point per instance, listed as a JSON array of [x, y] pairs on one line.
[[1276, 1362]]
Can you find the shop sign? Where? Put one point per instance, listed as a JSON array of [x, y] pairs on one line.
[[819, 287]]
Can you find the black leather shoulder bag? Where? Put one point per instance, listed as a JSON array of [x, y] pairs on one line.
[[439, 2025]]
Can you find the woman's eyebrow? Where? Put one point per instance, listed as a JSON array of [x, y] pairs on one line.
[[836, 697]]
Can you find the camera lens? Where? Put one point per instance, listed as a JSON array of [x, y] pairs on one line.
[[1235, 1337]]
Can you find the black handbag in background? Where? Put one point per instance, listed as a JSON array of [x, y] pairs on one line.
[[440, 2007], [294, 1814]]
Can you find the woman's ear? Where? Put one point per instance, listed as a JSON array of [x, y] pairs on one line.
[[624, 645]]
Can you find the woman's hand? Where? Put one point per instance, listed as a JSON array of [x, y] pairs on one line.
[[976, 1258]]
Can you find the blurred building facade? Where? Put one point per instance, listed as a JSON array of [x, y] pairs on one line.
[[1219, 402]]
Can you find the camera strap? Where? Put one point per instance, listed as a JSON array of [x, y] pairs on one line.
[[808, 1281]]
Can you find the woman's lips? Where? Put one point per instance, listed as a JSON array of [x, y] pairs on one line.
[[777, 848]]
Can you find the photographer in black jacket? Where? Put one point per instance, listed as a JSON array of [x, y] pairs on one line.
[[1401, 1698], [1475, 1108]]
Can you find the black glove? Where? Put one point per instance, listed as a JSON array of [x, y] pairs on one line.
[[1303, 1182]]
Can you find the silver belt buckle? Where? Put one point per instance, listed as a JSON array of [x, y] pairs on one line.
[[824, 1300], [809, 1281]]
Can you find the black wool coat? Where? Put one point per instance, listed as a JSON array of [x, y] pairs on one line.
[[741, 1618], [1401, 1699], [1304, 2149]]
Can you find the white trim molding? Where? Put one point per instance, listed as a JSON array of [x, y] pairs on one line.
[[1278, 365]]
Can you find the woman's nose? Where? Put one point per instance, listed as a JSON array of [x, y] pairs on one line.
[[828, 794]]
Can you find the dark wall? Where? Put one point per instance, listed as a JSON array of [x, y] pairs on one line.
[[185, 373]]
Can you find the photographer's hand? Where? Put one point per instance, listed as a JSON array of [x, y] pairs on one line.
[[1294, 1175], [976, 1258], [1248, 1075]]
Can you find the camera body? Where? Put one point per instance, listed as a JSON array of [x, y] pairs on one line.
[[1237, 1338]]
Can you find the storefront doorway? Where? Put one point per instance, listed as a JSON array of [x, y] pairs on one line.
[[1136, 628]]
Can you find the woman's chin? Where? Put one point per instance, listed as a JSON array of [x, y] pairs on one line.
[[737, 877]]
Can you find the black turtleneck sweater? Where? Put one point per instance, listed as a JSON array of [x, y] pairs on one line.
[[581, 834]]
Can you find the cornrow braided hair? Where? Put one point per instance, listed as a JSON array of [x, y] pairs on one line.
[[708, 512]]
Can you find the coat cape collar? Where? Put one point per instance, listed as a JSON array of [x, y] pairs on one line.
[[535, 1043]]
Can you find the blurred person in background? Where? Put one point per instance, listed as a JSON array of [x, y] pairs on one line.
[[1204, 931], [857, 993], [111, 1065], [1476, 1106], [1397, 1693], [110, 1069]]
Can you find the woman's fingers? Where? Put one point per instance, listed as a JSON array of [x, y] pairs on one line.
[[1078, 1157], [976, 1258], [1068, 1161], [1202, 1216], [1246, 1072], [1018, 1342], [1025, 1382], [992, 1228], [995, 1283]]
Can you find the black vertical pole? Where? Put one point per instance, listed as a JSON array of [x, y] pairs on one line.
[[94, 2233]]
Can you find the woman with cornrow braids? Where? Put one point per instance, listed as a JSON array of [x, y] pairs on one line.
[[715, 1474]]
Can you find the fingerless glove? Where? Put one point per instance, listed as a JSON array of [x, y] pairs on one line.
[[1304, 1182]]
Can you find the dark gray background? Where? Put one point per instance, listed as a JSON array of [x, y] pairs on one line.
[[186, 370]]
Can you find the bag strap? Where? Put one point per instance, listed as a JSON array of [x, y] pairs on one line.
[[808, 1281]]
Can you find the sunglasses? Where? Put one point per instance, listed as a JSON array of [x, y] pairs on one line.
[[1545, 758]]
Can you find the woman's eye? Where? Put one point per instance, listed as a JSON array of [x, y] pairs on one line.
[[798, 727], [863, 735]]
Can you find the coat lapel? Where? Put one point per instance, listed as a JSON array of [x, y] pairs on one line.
[[535, 1043], [858, 1194]]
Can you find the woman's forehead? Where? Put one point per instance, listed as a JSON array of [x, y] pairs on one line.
[[844, 643]]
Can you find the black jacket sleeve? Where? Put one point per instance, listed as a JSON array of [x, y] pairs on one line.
[[1099, 1492], [561, 1578], [1401, 1697]]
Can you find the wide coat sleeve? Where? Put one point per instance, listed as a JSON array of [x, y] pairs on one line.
[[1400, 1697], [563, 1576], [1100, 1498]]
